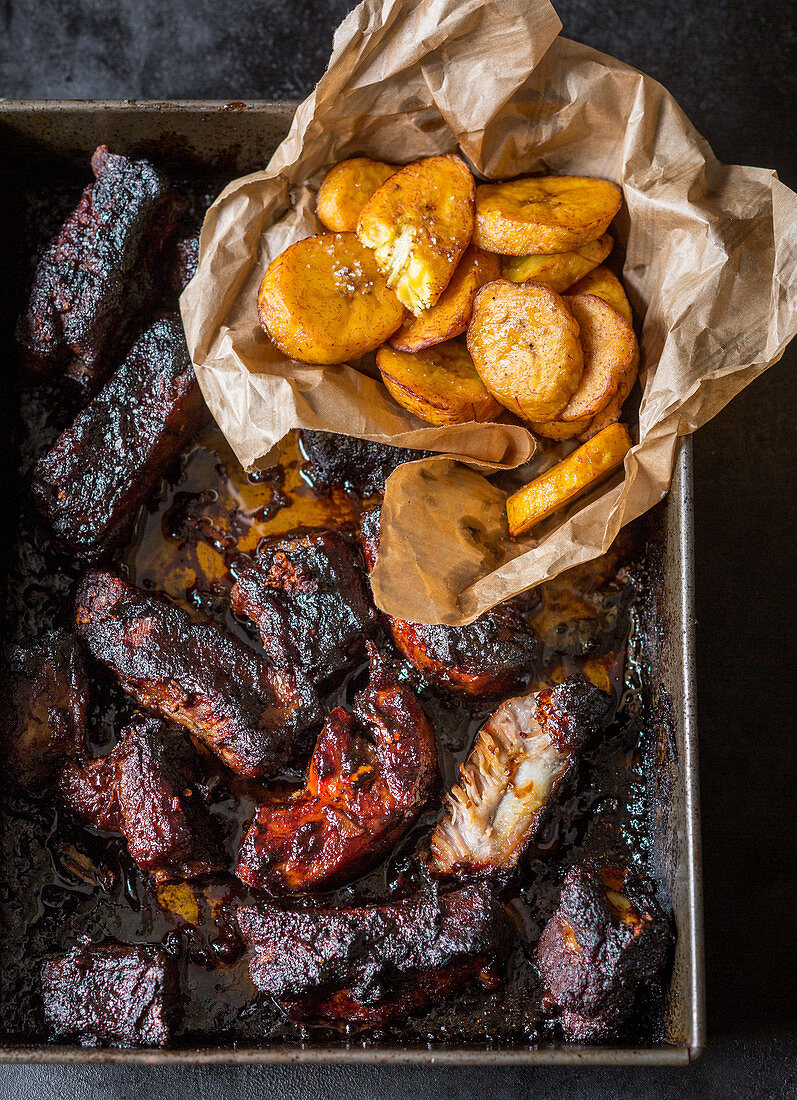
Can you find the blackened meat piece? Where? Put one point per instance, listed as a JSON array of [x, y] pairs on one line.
[[490, 656], [310, 602], [196, 674], [343, 460], [45, 707], [376, 963], [146, 790], [184, 264], [521, 758], [99, 276], [114, 994], [370, 775], [607, 940], [102, 468]]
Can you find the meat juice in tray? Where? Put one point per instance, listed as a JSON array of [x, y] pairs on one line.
[[256, 831]]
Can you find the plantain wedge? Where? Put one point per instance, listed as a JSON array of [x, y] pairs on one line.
[[323, 300], [609, 347], [538, 215], [419, 223], [347, 188], [559, 270], [439, 384], [449, 316], [524, 341]]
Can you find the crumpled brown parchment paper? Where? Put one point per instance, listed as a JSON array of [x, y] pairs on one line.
[[710, 264]]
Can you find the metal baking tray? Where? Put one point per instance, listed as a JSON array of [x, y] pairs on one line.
[[59, 137]]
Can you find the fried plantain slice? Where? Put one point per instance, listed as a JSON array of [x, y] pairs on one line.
[[347, 188], [419, 223], [543, 214], [609, 346], [611, 413], [449, 316], [558, 270], [604, 284], [570, 478], [560, 429], [439, 384], [524, 342], [323, 300]]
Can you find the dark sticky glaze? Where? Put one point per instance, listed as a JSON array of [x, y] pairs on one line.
[[99, 276], [357, 464], [44, 708], [371, 773], [373, 963], [489, 657], [195, 674], [607, 940], [111, 994], [521, 759], [146, 790], [309, 599], [100, 471]]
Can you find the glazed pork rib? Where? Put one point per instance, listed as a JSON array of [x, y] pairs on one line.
[[196, 674], [490, 656], [44, 712], [350, 463], [370, 775], [119, 994], [102, 468], [607, 941], [310, 602], [146, 790], [98, 278], [519, 761], [376, 963]]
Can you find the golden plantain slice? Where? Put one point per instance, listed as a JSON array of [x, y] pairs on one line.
[[438, 384], [558, 270], [577, 473], [543, 214], [604, 284], [609, 345], [323, 300], [561, 429], [347, 188], [611, 412], [419, 223], [449, 316], [524, 342]]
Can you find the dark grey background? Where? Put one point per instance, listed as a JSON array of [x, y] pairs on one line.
[[730, 64]]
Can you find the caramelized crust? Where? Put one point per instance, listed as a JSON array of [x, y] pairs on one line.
[[357, 464], [102, 468], [375, 963], [607, 940], [98, 278], [196, 674], [370, 775]]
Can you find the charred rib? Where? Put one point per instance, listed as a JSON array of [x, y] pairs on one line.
[[351, 463]]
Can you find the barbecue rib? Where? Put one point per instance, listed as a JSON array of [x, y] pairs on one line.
[[45, 708], [378, 962], [98, 278], [489, 657], [119, 994], [102, 468], [607, 940], [520, 759], [356, 464], [196, 674], [310, 602], [369, 777], [145, 789]]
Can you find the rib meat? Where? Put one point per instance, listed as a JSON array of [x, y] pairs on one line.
[[102, 468], [146, 790], [119, 994], [520, 760], [370, 775], [357, 464], [607, 940], [309, 600], [490, 656], [98, 278], [196, 674], [376, 963], [45, 708]]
